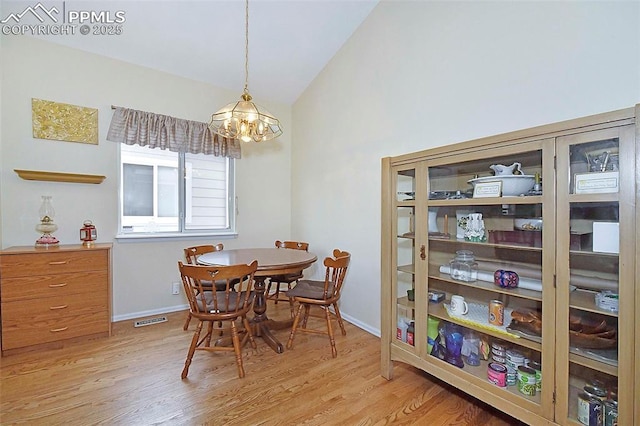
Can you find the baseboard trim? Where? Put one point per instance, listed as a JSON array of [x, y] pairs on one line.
[[360, 324], [142, 314], [176, 308]]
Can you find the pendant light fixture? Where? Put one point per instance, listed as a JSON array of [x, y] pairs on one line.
[[244, 119]]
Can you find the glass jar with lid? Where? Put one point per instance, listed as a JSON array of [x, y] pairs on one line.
[[464, 266]]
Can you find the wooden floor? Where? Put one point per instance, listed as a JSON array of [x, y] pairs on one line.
[[133, 378]]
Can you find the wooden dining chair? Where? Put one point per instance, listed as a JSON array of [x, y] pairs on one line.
[[191, 255], [220, 307], [322, 294], [288, 279]]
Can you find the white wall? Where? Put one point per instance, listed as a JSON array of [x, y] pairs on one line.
[[142, 271], [418, 75], [414, 76]]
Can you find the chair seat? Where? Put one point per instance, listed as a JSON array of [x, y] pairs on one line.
[[310, 290], [221, 295]]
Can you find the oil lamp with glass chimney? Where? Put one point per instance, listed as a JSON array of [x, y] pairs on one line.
[[46, 225]]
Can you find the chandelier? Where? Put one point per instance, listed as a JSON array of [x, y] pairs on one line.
[[244, 119]]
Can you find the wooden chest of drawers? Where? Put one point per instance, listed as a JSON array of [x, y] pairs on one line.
[[52, 295]]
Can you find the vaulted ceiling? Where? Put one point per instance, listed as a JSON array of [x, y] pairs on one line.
[[289, 41]]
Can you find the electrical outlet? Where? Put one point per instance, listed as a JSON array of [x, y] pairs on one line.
[[175, 288]]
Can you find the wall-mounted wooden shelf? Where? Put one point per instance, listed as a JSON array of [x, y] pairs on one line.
[[58, 176]]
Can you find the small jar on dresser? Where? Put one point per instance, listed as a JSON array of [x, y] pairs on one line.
[[54, 295]]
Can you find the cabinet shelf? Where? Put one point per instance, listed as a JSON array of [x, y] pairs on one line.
[[438, 310], [405, 346], [409, 235], [472, 244], [593, 198], [404, 301], [584, 300], [592, 363], [594, 254], [408, 172], [492, 201], [478, 376], [409, 269], [490, 287]]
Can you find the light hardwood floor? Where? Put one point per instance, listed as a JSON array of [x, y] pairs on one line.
[[133, 378]]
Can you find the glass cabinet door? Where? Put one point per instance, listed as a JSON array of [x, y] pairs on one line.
[[405, 231], [490, 255], [409, 257], [595, 278]]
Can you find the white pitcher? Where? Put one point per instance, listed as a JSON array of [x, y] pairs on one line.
[[500, 170]]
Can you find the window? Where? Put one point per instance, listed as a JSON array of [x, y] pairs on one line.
[[164, 192]]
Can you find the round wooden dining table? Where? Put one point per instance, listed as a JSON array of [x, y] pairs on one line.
[[271, 261]]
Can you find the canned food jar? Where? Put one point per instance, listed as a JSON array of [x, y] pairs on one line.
[[537, 367], [496, 312], [464, 267], [497, 374], [595, 392], [499, 352], [498, 359], [516, 357], [512, 376], [607, 300], [596, 383], [526, 380], [497, 346], [610, 409], [410, 333], [589, 410]]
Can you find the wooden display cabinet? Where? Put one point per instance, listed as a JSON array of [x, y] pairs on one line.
[[583, 243]]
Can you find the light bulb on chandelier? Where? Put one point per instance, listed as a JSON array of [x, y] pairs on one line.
[[244, 119]]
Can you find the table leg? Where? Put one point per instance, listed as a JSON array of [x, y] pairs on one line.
[[260, 320]]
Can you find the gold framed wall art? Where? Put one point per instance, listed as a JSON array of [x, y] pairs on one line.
[[64, 122]]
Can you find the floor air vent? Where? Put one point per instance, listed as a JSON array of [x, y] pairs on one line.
[[149, 321]]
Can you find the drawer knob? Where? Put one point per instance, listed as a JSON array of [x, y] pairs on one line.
[[53, 308], [57, 285], [62, 262], [57, 330]]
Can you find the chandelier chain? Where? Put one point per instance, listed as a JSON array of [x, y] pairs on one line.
[[246, 47]]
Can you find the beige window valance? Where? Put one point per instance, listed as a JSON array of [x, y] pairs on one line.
[[130, 126]]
